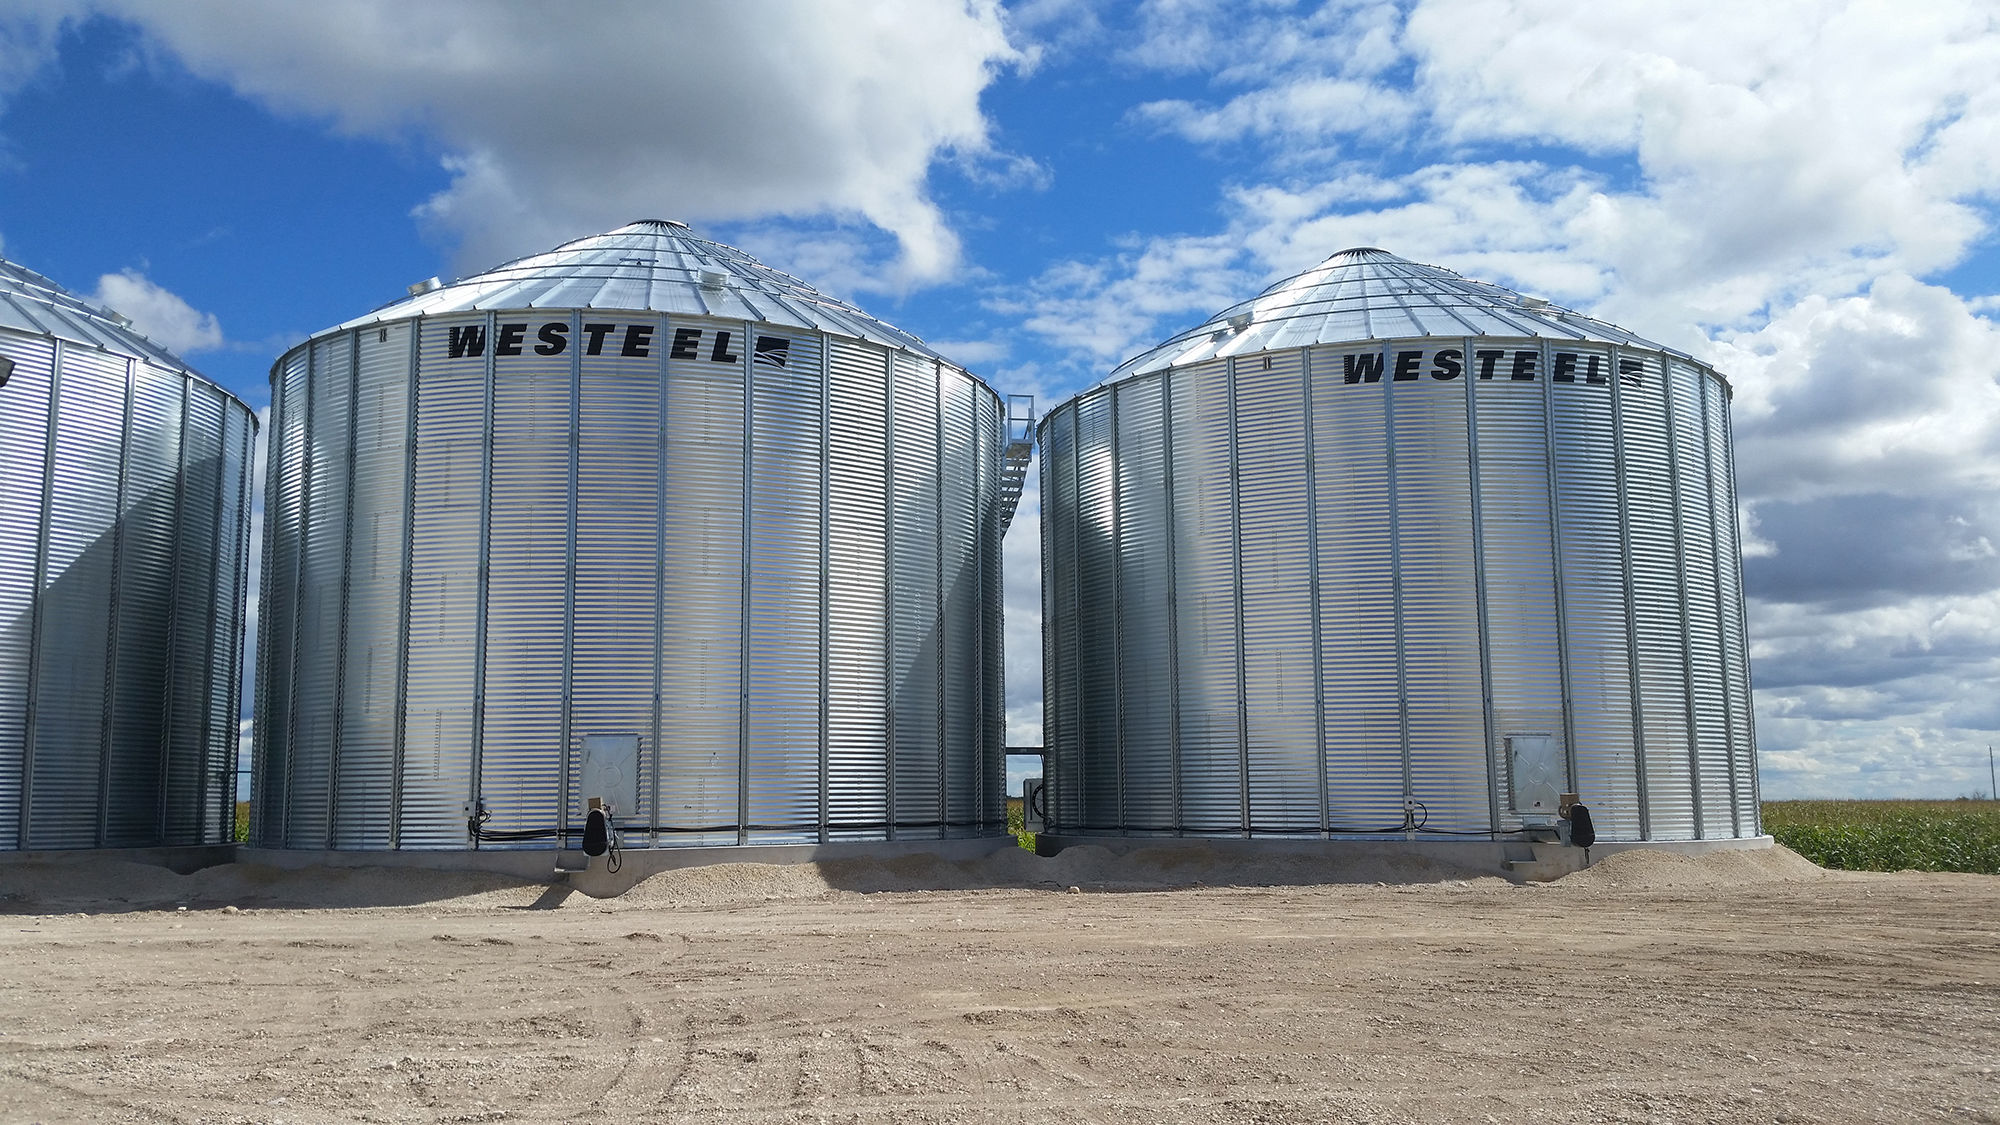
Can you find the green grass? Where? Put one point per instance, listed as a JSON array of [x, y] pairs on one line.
[[1959, 835], [1016, 823]]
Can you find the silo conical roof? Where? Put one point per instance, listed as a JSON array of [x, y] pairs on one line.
[[33, 304], [1367, 294], [657, 265]]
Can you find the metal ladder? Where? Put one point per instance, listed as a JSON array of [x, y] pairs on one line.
[[1020, 450]]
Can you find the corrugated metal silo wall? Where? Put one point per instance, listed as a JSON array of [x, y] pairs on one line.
[[1288, 592], [124, 550], [768, 556]]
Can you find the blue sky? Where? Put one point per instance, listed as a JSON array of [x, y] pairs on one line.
[[1802, 192]]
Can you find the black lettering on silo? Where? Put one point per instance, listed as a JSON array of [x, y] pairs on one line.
[[1486, 361], [554, 337], [773, 350], [686, 340], [1563, 370], [597, 333], [509, 340], [638, 340], [1590, 372], [1524, 365], [1364, 368], [1445, 364], [1631, 370], [721, 352], [1407, 364], [467, 339]]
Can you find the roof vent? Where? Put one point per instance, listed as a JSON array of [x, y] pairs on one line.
[[710, 279], [1240, 321], [117, 318], [1534, 302], [425, 286]]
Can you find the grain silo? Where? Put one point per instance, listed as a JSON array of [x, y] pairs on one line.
[[1384, 551], [124, 553], [636, 520]]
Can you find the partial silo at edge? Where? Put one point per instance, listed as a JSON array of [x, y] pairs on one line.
[[123, 563]]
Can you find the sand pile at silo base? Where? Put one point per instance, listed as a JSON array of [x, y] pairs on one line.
[[80, 883], [1653, 869]]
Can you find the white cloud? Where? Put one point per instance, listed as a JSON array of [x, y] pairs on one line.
[[157, 314], [556, 127]]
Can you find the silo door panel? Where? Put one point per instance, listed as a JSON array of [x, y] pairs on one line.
[[1537, 776], [611, 771]]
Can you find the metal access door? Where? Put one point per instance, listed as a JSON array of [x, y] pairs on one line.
[[1537, 777], [611, 771]]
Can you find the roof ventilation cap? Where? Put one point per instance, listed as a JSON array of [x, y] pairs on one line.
[[1534, 302], [425, 286], [1240, 321], [710, 279]]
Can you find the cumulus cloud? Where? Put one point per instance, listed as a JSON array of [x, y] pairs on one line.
[[557, 124], [158, 314]]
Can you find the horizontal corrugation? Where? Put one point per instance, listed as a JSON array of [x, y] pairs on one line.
[[959, 537], [992, 625], [198, 543], [143, 636], [1280, 681], [77, 585], [1592, 558], [24, 435], [1205, 640], [1097, 609], [1736, 646], [1145, 676], [913, 600], [449, 471], [521, 736], [1357, 578], [1707, 660], [322, 558], [787, 428], [284, 499], [1447, 730], [1062, 662], [616, 636], [1656, 586], [857, 733], [1523, 649], [702, 600], [364, 794]]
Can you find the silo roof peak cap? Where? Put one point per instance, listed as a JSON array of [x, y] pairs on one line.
[[1360, 252]]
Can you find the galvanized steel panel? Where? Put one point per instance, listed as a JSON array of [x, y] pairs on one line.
[[1592, 565], [1097, 610], [528, 567], [616, 633], [371, 669], [1519, 562], [1736, 644], [1446, 729], [323, 461], [1707, 660], [24, 441], [857, 733], [959, 538], [915, 655], [78, 577], [787, 427], [1206, 643], [442, 681], [199, 543], [1062, 662], [1357, 584], [701, 600], [1280, 677], [143, 638], [1145, 698]]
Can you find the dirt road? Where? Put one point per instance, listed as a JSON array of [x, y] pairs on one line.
[[1649, 988]]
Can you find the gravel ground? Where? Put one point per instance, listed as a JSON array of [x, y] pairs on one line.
[[1738, 987]]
